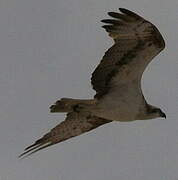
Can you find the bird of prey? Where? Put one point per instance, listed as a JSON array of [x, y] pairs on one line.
[[116, 80]]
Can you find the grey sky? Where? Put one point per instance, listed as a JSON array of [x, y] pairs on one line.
[[48, 50]]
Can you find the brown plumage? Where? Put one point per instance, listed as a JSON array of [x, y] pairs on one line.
[[116, 80], [132, 35], [74, 125]]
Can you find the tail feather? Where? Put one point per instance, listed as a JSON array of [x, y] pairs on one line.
[[62, 105], [67, 104]]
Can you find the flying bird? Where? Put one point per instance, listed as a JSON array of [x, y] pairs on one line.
[[116, 80]]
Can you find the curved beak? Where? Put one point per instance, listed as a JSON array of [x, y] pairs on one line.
[[163, 115]]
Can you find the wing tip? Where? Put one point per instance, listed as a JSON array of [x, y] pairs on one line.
[[129, 13], [122, 9], [33, 149]]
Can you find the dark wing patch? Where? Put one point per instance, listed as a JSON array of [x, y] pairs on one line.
[[74, 125], [132, 34]]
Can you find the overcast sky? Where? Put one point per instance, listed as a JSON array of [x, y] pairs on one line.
[[48, 50]]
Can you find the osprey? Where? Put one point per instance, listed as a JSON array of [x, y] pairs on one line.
[[116, 80]]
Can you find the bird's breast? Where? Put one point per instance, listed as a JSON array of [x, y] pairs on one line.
[[118, 109]]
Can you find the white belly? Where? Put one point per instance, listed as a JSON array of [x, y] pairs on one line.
[[119, 107], [116, 114]]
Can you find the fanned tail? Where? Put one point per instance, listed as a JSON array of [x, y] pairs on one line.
[[67, 104]]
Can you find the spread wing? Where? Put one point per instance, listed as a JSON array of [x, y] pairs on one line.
[[137, 41], [74, 125]]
